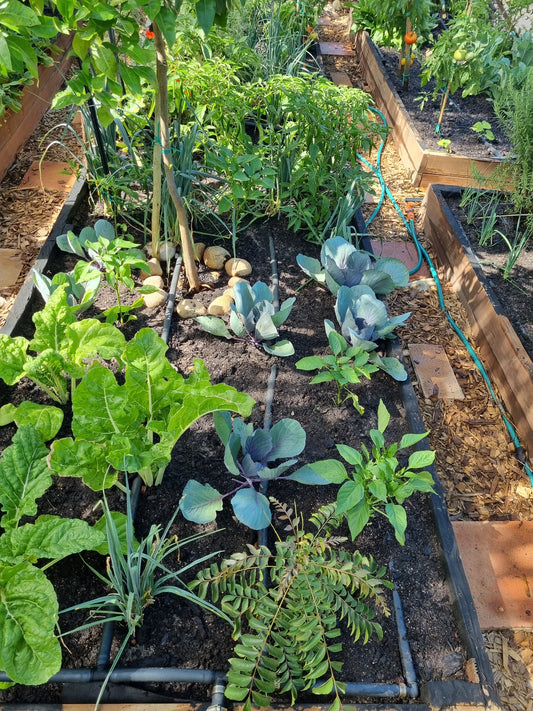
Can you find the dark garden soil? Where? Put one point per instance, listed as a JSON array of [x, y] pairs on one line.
[[514, 293], [181, 635]]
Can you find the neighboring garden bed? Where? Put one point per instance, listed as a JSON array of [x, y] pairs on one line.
[[504, 354]]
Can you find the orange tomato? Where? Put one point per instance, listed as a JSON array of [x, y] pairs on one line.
[[410, 37]]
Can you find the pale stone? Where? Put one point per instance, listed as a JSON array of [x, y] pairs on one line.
[[199, 249], [214, 257], [154, 267], [167, 251], [156, 298], [236, 279], [155, 280], [219, 306], [238, 267], [189, 308], [229, 293], [148, 249]]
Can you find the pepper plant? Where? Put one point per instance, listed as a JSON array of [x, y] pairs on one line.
[[377, 484]]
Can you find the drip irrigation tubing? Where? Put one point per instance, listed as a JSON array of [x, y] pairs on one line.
[[423, 254]]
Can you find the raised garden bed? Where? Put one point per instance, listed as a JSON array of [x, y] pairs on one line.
[[16, 128], [503, 353], [424, 165], [442, 600]]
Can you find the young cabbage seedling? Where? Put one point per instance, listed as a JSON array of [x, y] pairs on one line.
[[253, 457]]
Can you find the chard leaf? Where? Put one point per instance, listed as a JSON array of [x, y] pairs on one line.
[[90, 337], [252, 509], [138, 454], [45, 418], [200, 502], [52, 537], [7, 414], [24, 475], [280, 348], [29, 652], [100, 407], [84, 459], [203, 398], [48, 370], [288, 439], [214, 325], [12, 358], [52, 322], [151, 381]]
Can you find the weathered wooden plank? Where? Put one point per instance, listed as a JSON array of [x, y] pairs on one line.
[[509, 366], [16, 128]]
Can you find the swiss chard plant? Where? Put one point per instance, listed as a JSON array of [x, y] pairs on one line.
[[253, 318], [108, 255], [30, 652], [63, 347], [347, 365], [342, 264], [376, 482], [364, 320], [288, 632], [132, 423], [253, 457]]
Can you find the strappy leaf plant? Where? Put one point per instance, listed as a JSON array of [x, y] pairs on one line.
[[288, 632]]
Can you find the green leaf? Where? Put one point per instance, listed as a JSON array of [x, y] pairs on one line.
[[7, 414], [288, 439], [358, 517], [408, 440], [46, 419], [398, 518], [205, 14], [317, 473], [29, 653], [325, 687], [337, 343], [49, 537], [383, 417], [121, 523], [235, 693], [200, 502], [12, 358], [214, 325], [52, 322], [252, 509], [90, 337], [421, 458], [349, 495], [350, 455], [24, 475], [310, 363]]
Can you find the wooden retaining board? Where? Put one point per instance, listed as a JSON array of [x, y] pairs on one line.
[[507, 363], [425, 165], [16, 128]]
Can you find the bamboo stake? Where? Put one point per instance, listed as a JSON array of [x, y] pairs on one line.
[[183, 219]]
